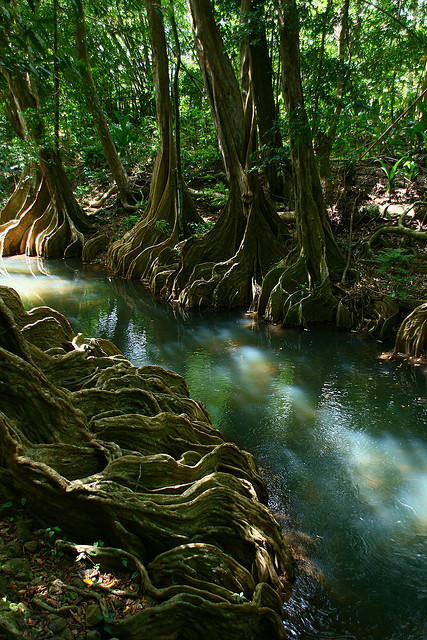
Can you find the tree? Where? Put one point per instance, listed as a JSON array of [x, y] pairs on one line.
[[92, 101], [170, 208], [325, 138], [298, 290], [42, 217], [224, 267], [275, 167]]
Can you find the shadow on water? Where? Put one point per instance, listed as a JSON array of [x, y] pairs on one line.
[[339, 433]]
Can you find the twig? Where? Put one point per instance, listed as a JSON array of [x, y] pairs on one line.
[[47, 607]]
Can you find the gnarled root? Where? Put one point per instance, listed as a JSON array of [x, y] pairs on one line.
[[400, 229], [289, 295], [411, 339], [220, 269], [102, 445], [37, 223]]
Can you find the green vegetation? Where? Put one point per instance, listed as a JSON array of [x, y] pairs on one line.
[[95, 98]]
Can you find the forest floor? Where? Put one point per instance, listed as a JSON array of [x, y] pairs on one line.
[[48, 592]]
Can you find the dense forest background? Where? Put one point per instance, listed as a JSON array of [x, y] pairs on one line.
[[232, 106], [383, 65]]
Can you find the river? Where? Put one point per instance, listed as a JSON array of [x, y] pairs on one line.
[[340, 436]]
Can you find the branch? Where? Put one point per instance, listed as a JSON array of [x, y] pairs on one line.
[[400, 229], [392, 125], [402, 24]]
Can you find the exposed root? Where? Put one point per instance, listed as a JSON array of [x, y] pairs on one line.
[[103, 445], [41, 222], [289, 295], [411, 339], [97, 204], [399, 229]]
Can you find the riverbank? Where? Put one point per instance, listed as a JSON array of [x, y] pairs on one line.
[[391, 271], [337, 433], [125, 470]]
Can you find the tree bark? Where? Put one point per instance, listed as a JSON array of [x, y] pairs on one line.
[[326, 138], [48, 221], [277, 172], [222, 268], [136, 254], [411, 339], [299, 291]]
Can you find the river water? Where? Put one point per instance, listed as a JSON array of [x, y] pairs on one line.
[[340, 436]]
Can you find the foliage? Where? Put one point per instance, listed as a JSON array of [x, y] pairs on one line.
[[199, 228], [164, 226], [391, 171], [410, 169], [379, 83], [129, 221], [397, 262]]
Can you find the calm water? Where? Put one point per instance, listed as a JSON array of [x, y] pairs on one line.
[[340, 435]]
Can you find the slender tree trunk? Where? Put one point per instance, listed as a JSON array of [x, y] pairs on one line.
[[94, 106], [175, 93], [261, 73], [56, 72], [320, 67]]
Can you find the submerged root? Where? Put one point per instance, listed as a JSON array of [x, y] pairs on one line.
[[102, 445]]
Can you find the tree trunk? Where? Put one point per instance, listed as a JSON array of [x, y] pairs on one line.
[[222, 268], [276, 169], [101, 447], [136, 254], [299, 292], [325, 139], [94, 106]]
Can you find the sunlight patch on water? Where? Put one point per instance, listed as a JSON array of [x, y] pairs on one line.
[[15, 274], [379, 470]]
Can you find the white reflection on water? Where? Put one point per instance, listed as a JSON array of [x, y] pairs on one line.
[[15, 272], [389, 475]]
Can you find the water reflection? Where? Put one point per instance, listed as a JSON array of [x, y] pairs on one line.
[[340, 434]]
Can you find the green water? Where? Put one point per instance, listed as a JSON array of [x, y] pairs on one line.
[[340, 435]]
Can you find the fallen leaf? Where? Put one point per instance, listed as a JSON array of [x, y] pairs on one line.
[[109, 584]]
